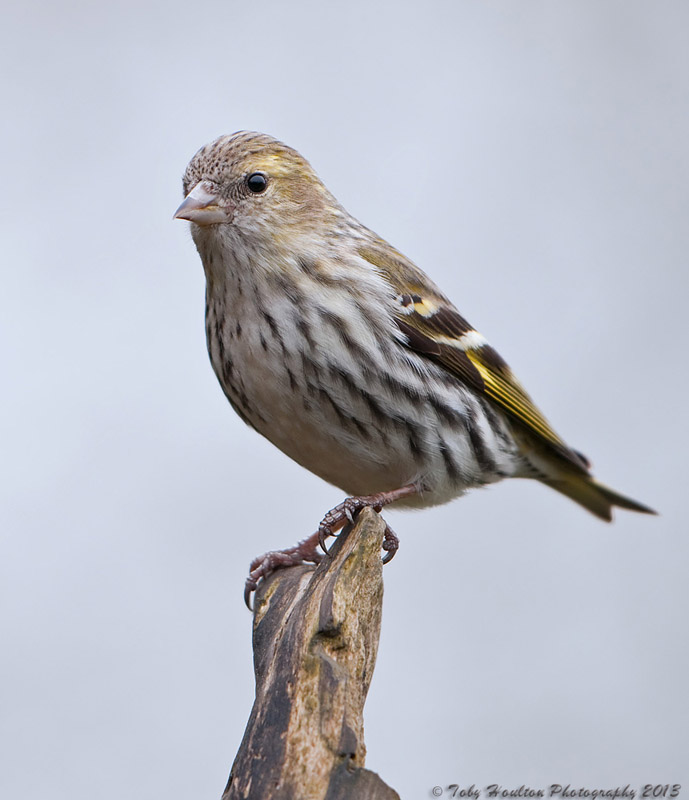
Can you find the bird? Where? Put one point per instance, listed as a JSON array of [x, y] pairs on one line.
[[345, 355]]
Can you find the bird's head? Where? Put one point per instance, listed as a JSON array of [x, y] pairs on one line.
[[257, 186]]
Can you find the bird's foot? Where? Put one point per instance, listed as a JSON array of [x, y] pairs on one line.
[[265, 565], [347, 510], [391, 544], [336, 518]]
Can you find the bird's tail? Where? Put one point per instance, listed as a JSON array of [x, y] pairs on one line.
[[594, 496]]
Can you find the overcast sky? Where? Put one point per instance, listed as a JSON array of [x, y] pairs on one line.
[[533, 158]]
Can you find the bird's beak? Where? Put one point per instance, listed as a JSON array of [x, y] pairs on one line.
[[203, 207]]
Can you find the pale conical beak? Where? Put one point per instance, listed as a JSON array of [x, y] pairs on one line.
[[203, 207]]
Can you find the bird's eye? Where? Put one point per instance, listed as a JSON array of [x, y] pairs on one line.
[[257, 182]]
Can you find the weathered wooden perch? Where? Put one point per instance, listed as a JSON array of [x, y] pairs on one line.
[[315, 641]]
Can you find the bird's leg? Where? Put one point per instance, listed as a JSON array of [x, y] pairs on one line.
[[336, 518], [265, 565], [347, 510]]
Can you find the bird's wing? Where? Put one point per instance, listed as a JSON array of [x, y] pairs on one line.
[[434, 328]]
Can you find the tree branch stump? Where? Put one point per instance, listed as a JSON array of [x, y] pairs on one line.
[[315, 641]]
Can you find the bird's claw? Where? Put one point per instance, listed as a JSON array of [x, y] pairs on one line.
[[391, 544], [347, 511], [335, 519], [265, 565], [324, 530]]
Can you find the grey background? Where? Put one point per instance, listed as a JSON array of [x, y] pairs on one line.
[[532, 157]]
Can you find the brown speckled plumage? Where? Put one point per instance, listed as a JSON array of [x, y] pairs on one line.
[[338, 349]]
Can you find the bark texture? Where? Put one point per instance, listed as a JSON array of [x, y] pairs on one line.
[[315, 641]]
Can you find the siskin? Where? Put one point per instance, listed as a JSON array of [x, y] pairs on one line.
[[346, 356]]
